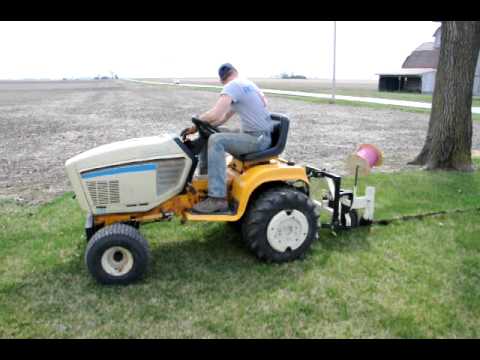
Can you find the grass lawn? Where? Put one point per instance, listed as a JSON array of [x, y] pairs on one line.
[[408, 279], [350, 89], [325, 86], [475, 117], [397, 95]]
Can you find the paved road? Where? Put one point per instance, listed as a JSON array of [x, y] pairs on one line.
[[406, 103]]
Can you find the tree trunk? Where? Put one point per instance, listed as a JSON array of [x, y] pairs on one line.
[[448, 144]]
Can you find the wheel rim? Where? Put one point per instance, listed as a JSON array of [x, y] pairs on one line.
[[288, 229], [117, 261]]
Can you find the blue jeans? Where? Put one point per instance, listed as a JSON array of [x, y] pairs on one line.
[[212, 156]]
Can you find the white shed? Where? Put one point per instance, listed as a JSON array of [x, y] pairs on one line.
[[414, 80], [428, 81]]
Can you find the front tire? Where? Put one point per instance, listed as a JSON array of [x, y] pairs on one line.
[[117, 255], [280, 225]]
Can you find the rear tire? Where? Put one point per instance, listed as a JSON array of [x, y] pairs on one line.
[[117, 255], [280, 225]]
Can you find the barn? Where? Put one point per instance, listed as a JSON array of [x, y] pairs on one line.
[[418, 70]]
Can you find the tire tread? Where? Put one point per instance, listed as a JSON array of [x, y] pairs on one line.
[[109, 234], [259, 214]]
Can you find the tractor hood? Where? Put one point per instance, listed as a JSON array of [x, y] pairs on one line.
[[131, 150], [117, 177]]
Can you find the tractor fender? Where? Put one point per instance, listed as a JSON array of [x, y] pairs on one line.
[[246, 184]]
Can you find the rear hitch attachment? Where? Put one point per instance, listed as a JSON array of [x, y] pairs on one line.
[[343, 204]]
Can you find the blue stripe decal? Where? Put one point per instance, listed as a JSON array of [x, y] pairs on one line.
[[120, 170]]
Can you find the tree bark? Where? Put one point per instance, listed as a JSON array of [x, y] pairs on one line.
[[448, 144]]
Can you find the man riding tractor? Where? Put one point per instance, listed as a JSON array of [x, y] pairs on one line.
[[242, 96]]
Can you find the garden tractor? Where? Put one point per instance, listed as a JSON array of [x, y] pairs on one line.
[[124, 184]]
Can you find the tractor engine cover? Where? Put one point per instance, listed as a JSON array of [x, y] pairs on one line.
[[134, 175]]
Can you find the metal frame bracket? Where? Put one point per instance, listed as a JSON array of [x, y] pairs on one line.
[[340, 201]]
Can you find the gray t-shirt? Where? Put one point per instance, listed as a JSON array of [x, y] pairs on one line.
[[248, 103]]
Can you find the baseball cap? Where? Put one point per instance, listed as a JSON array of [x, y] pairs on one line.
[[224, 70]]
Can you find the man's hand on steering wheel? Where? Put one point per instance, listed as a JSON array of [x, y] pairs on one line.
[[188, 131], [204, 127]]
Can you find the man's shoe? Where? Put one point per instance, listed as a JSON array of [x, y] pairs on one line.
[[211, 205]]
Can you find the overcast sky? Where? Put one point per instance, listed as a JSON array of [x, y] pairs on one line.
[[196, 49]]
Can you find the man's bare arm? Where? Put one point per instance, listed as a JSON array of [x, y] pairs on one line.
[[225, 118], [216, 116], [219, 112]]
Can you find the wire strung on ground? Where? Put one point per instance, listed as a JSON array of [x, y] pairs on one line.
[[424, 215]]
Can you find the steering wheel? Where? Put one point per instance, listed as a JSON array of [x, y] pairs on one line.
[[204, 128]]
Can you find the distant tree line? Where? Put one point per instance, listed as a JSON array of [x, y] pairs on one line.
[[291, 76]]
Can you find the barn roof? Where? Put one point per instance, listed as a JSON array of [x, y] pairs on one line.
[[424, 56], [426, 46]]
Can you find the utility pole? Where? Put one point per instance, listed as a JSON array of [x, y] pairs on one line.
[[334, 59]]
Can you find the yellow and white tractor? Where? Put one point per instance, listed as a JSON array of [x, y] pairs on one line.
[[125, 184]]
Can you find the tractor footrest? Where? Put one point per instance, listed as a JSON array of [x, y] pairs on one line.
[[232, 210], [225, 215]]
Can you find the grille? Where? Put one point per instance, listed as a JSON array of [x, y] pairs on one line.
[[169, 173], [104, 192]]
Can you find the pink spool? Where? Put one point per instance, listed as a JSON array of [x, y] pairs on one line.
[[366, 157]]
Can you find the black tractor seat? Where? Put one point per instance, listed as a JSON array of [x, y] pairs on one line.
[[279, 140]]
